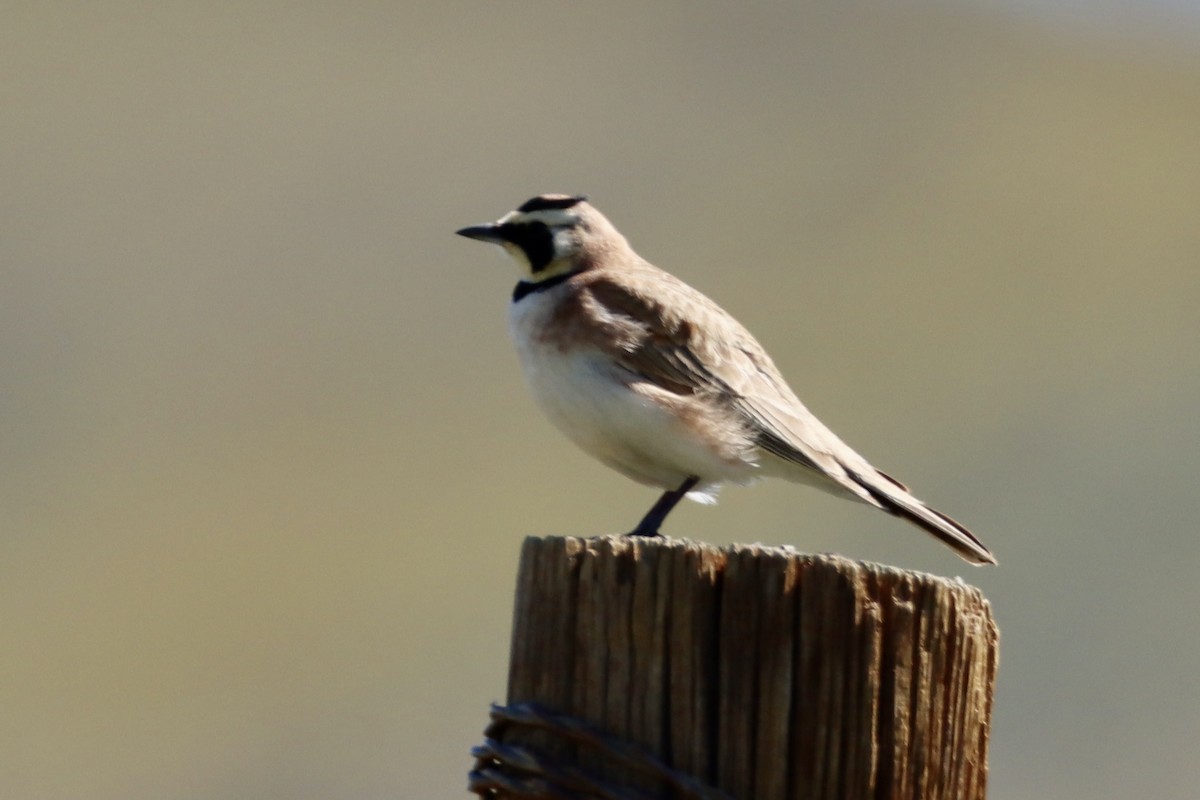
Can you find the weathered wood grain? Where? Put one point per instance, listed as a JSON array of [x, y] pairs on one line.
[[766, 673]]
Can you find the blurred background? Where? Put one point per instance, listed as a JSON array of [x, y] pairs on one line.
[[266, 458]]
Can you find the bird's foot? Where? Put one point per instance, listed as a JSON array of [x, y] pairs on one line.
[[646, 532]]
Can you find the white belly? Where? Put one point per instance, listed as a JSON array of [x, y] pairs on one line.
[[597, 405]]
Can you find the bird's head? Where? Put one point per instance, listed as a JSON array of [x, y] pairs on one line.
[[551, 235]]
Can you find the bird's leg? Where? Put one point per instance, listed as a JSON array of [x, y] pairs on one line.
[[655, 516]]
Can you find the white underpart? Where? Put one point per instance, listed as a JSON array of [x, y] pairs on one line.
[[589, 399]]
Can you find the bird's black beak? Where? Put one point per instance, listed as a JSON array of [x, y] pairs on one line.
[[484, 233]]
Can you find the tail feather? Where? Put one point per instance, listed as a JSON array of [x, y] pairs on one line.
[[902, 504]]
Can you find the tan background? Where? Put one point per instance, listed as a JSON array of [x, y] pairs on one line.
[[266, 458]]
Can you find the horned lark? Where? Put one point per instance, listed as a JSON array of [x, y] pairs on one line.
[[658, 382]]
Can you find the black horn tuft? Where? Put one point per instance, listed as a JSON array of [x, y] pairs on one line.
[[549, 202]]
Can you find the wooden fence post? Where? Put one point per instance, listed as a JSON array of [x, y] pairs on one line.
[[759, 671]]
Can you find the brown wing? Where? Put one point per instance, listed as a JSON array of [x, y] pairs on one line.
[[661, 343]]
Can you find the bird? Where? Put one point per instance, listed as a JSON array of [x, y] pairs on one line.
[[658, 382]]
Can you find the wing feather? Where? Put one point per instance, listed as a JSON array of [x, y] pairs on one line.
[[674, 346]]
